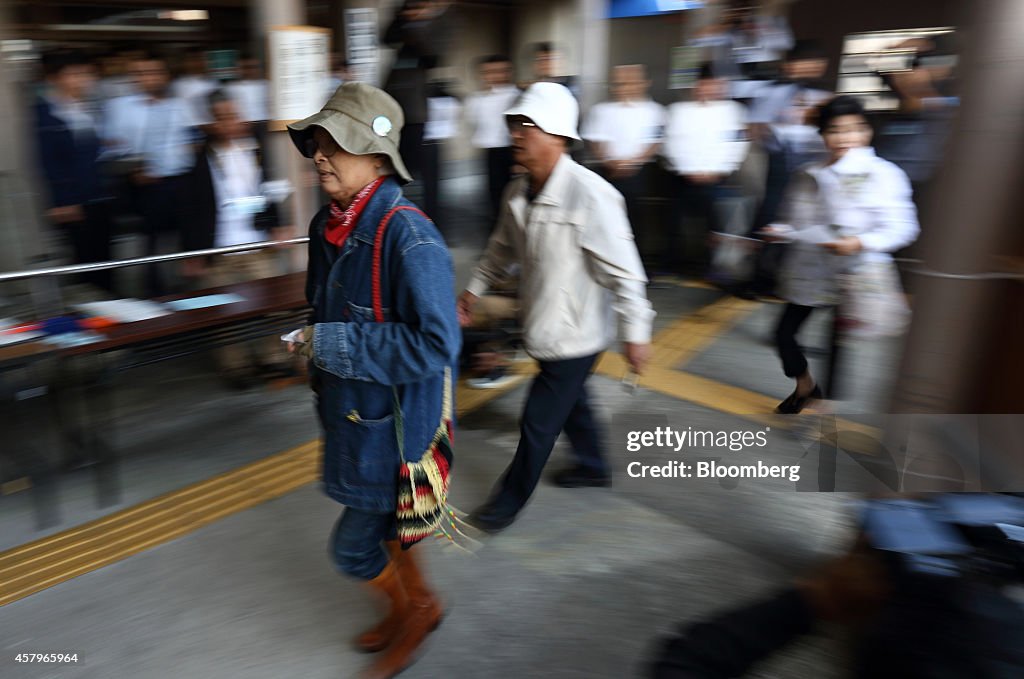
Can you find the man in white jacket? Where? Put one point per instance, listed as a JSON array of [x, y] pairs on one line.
[[568, 230]]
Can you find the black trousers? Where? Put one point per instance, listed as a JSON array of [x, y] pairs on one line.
[[557, 402], [632, 189], [161, 205], [90, 242], [499, 173], [687, 251], [794, 363]]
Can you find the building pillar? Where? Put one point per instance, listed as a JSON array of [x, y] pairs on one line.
[[977, 219], [21, 225], [285, 161], [594, 32]]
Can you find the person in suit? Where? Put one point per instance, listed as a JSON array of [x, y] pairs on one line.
[[68, 150]]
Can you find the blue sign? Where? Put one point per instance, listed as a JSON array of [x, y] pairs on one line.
[[639, 8]]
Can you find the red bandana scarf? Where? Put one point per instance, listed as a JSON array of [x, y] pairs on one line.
[[341, 222]]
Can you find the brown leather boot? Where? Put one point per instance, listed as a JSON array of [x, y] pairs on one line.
[[422, 616], [388, 583]]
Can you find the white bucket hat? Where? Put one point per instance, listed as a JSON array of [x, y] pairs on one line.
[[551, 106]]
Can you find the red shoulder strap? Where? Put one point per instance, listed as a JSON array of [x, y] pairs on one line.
[[378, 246]]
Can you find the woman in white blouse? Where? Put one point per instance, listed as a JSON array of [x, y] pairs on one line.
[[853, 208]]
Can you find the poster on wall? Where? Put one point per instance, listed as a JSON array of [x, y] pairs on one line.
[[361, 40], [685, 67], [299, 64]]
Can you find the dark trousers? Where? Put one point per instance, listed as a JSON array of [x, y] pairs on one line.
[[431, 166], [794, 363], [557, 402], [161, 206], [357, 544], [687, 250], [632, 190], [499, 173], [90, 242]]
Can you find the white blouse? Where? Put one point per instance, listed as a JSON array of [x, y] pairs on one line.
[[860, 195]]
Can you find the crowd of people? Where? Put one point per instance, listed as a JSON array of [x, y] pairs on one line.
[[572, 236]]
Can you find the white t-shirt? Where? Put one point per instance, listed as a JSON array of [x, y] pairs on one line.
[[626, 128], [485, 114], [710, 137]]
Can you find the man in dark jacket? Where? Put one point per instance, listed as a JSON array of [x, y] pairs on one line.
[[226, 207], [68, 150]]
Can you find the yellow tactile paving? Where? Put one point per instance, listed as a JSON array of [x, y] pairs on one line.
[[35, 566], [44, 563]]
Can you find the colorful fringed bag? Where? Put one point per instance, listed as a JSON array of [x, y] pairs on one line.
[[422, 484]]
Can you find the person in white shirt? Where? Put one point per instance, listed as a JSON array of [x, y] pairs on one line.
[[251, 92], [195, 84], [485, 117], [853, 209], [624, 135], [226, 207], [155, 133], [443, 112], [706, 141], [567, 229]]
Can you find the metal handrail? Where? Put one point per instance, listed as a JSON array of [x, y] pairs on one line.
[[118, 264]]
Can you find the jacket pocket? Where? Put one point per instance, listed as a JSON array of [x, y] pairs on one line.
[[364, 314], [369, 452]]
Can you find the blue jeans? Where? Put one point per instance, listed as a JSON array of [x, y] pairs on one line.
[[357, 545]]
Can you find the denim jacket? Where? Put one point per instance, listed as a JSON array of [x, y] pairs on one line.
[[357, 362]]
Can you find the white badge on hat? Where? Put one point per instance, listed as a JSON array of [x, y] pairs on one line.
[[382, 126]]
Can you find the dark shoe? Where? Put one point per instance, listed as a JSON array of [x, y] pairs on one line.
[[794, 403], [581, 477], [489, 520]]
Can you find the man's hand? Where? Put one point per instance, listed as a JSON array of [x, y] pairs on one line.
[[140, 178], [704, 178], [66, 214], [850, 245], [622, 169], [637, 355], [464, 307], [280, 233]]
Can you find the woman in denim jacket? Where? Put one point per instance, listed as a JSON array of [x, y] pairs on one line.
[[358, 361]]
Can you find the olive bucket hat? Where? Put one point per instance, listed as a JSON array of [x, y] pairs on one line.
[[362, 119]]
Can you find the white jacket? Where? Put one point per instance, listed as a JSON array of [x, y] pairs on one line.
[[579, 264], [860, 195]]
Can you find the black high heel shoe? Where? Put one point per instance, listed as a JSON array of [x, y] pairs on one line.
[[794, 403]]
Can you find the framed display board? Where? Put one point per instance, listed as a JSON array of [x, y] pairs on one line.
[[298, 59]]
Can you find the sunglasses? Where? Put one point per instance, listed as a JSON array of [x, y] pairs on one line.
[[327, 146]]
